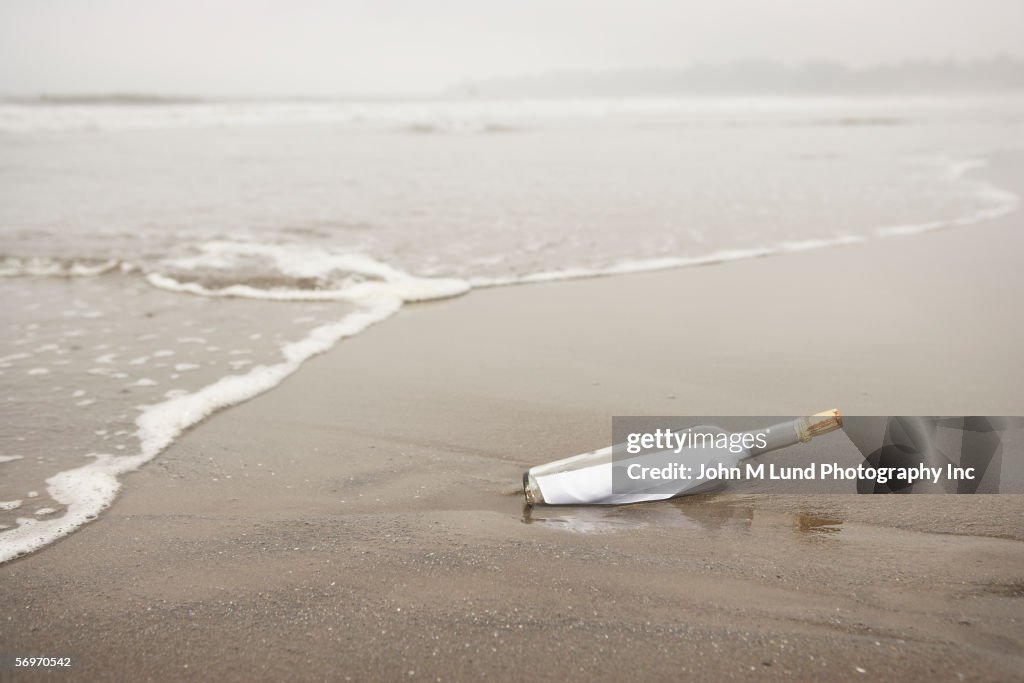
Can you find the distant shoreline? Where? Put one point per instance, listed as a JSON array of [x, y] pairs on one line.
[[1000, 75]]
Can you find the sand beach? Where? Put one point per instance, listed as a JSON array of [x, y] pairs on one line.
[[364, 520]]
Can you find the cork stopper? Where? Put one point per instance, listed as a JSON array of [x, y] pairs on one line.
[[531, 490], [818, 424]]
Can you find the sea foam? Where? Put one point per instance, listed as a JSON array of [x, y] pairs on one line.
[[997, 202], [85, 491], [13, 266]]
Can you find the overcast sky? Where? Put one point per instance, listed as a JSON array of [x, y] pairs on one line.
[[320, 47]]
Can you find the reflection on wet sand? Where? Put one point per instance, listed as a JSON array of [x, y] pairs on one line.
[[704, 513], [812, 524], [693, 512]]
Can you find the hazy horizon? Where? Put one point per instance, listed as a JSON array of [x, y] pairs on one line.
[[396, 47], [753, 77]]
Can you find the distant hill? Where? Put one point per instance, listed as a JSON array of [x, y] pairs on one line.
[[116, 98], [762, 77]]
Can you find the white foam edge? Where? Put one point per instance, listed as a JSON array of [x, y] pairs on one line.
[[668, 263], [88, 489], [44, 266], [1002, 202], [407, 289]]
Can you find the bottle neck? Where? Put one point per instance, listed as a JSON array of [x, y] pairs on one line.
[[800, 430]]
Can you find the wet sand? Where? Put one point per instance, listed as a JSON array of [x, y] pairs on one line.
[[363, 520]]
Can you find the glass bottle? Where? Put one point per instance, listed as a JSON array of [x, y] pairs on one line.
[[587, 479]]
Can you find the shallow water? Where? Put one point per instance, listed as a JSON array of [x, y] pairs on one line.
[[164, 261]]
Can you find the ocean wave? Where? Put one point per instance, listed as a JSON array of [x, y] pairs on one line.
[[376, 290], [294, 273], [999, 202], [126, 112], [414, 116], [133, 99], [45, 266], [262, 271], [88, 490], [459, 127]]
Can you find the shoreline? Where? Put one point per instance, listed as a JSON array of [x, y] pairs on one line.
[[390, 296], [364, 518]]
